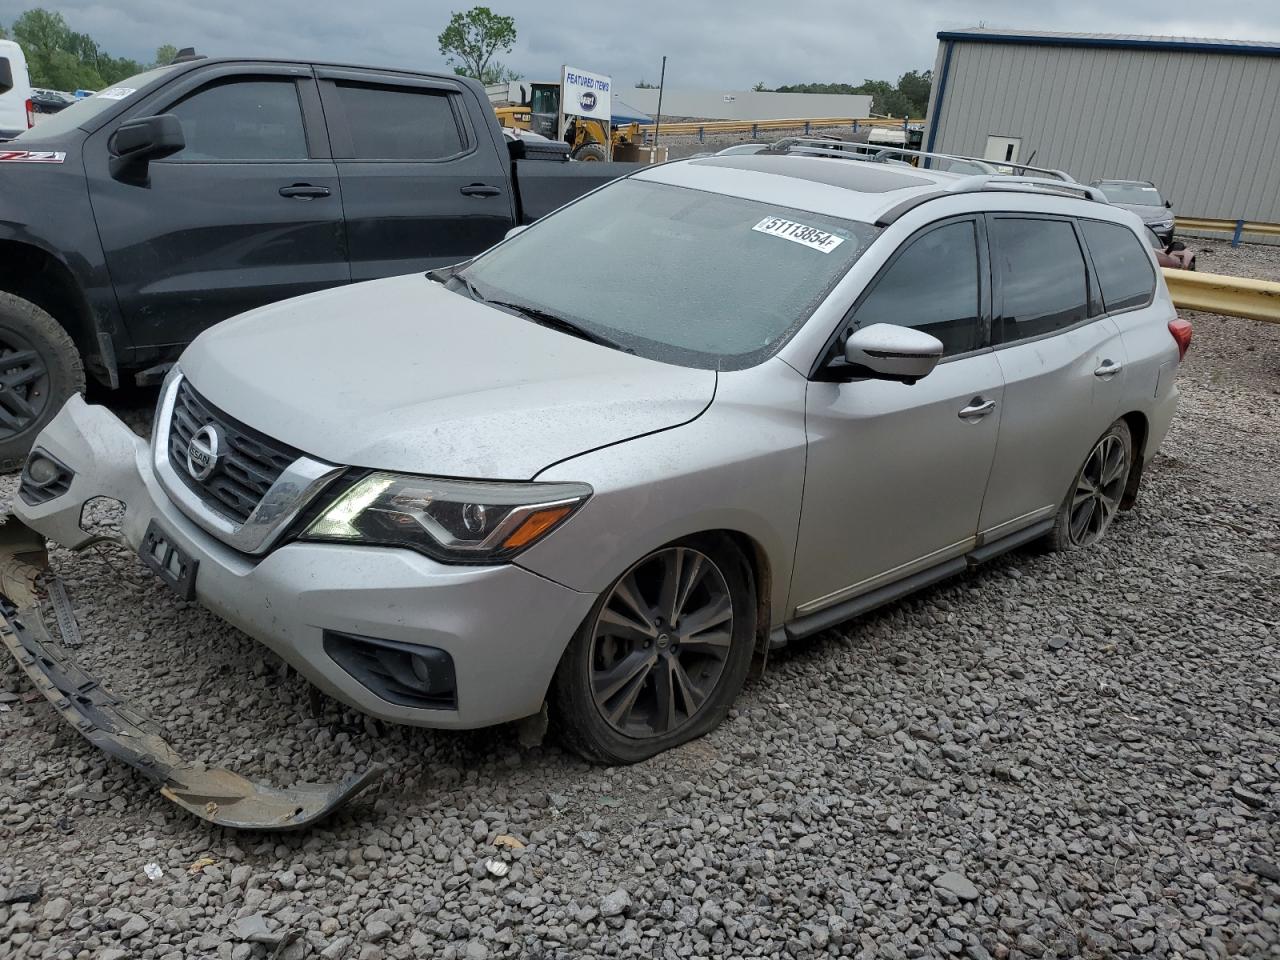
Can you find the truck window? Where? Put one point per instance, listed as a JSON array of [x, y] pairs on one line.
[[242, 120], [399, 123]]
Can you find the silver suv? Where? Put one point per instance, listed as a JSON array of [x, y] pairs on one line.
[[706, 410]]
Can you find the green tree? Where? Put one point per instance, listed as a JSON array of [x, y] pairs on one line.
[[909, 97], [915, 86], [165, 54], [471, 39], [759, 87]]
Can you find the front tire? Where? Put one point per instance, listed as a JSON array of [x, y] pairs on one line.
[[40, 368], [1095, 494], [590, 151], [662, 654]]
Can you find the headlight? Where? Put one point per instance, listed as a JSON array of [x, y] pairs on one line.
[[454, 520]]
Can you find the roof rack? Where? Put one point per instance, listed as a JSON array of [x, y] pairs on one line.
[[996, 165], [998, 181], [878, 153]]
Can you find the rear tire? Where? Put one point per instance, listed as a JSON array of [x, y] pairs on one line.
[[1094, 498], [637, 679], [590, 151], [40, 368]]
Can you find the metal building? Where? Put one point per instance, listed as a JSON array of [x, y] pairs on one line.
[[1200, 118]]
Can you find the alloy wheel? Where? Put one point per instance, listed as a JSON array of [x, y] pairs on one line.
[[1099, 490], [660, 642], [24, 384]]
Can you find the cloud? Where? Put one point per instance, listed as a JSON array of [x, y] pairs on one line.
[[713, 45]]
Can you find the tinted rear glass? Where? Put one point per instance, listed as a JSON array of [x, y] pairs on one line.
[[399, 123], [1122, 264], [1139, 194], [1042, 274]]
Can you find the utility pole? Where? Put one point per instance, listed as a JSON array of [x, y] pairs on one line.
[[657, 124]]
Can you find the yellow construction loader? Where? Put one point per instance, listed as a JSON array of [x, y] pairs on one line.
[[539, 111]]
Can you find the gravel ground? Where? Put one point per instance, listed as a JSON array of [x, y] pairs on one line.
[[1051, 756]]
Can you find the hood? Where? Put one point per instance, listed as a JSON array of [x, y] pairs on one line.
[[1149, 212], [404, 375]]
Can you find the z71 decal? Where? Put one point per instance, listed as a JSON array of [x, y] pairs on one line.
[[32, 156]]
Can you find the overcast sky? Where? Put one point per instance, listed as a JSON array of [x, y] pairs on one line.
[[729, 44]]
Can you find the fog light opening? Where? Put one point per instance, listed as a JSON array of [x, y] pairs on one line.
[[102, 516]]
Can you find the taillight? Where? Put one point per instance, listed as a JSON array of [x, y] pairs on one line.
[[31, 115], [1181, 330]]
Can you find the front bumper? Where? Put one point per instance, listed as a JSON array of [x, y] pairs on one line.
[[504, 627], [1163, 231]]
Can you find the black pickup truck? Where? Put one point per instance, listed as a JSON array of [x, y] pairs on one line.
[[138, 217]]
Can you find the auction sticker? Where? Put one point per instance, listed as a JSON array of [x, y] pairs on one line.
[[811, 237], [32, 156], [115, 93]]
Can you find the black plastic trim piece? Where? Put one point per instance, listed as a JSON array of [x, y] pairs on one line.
[[385, 668], [33, 494], [1008, 542], [823, 619]]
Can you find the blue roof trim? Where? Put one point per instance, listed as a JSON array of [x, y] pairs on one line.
[[1181, 46]]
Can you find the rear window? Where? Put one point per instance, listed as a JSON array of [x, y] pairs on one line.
[[1043, 280], [399, 123], [1122, 265]]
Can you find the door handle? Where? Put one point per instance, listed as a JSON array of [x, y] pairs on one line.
[[479, 190], [304, 191], [977, 409], [1108, 369]]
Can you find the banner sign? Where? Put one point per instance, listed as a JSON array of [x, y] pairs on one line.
[[584, 94]]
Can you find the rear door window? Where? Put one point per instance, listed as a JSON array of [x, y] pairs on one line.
[[1044, 286], [1121, 263], [398, 123], [243, 120], [932, 286]]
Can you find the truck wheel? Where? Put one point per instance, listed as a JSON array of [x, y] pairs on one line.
[[40, 368], [589, 151]]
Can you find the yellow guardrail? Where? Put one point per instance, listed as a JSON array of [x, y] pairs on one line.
[[1237, 228], [754, 127], [1232, 296]]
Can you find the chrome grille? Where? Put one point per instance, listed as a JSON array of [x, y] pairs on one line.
[[253, 462]]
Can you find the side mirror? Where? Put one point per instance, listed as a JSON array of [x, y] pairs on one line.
[[6, 75], [886, 351], [1168, 204], [145, 138], [515, 230]]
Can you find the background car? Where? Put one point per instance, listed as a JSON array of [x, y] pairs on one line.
[[1144, 199], [1174, 255]]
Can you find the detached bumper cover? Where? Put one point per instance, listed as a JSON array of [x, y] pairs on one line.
[[216, 794]]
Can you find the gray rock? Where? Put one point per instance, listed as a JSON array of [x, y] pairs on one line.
[[615, 904], [57, 909], [957, 884]]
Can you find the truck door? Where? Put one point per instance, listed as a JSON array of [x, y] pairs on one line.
[[422, 185], [248, 212]]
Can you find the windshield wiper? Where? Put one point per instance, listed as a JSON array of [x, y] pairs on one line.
[[556, 322]]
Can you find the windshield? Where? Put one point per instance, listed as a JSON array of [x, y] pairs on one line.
[[674, 274], [1139, 194], [86, 108]]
